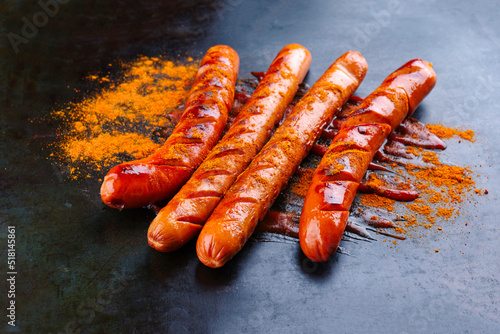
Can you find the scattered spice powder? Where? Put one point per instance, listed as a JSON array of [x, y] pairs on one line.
[[118, 123], [446, 133], [418, 206], [374, 181], [301, 185], [445, 213], [374, 200], [442, 188]]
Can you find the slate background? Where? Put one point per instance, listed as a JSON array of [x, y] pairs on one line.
[[85, 268]]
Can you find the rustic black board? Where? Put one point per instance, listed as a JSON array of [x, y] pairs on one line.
[[85, 268]]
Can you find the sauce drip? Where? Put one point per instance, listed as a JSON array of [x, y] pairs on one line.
[[415, 133], [388, 186], [285, 223]]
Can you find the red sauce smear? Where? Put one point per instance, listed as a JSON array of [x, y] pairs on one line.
[[285, 223], [358, 229], [378, 222], [404, 195], [415, 133]]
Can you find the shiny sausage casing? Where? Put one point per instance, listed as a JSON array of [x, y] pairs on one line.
[[158, 177], [185, 214], [252, 194], [337, 177]]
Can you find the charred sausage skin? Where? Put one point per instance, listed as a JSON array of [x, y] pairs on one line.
[[158, 177], [337, 177]]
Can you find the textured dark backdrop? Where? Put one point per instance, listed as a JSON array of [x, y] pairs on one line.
[[83, 267]]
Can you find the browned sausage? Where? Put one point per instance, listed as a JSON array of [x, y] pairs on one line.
[[250, 197], [188, 210], [158, 177], [337, 177]]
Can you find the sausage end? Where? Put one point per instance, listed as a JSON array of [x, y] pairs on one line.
[[129, 186], [320, 233], [211, 253], [167, 236]]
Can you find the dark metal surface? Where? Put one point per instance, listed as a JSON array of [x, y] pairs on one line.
[[85, 268]]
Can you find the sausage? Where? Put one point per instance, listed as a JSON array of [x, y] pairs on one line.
[[158, 177], [250, 197], [185, 214], [337, 177]]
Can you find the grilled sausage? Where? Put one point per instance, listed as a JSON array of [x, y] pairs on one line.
[[337, 177], [158, 177]]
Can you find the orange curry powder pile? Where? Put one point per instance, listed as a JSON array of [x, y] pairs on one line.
[[118, 122]]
